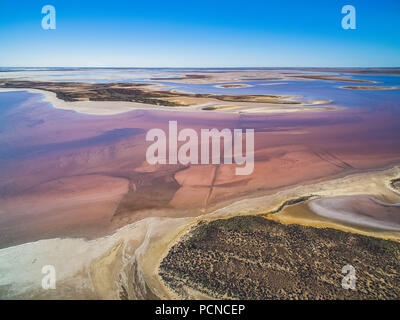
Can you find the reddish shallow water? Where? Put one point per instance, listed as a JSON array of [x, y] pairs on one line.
[[68, 174]]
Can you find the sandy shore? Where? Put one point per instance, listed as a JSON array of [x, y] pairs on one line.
[[95, 107]]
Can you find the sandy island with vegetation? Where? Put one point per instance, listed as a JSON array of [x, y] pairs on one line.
[[108, 99]]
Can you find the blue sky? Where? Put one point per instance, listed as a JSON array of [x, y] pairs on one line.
[[202, 33]]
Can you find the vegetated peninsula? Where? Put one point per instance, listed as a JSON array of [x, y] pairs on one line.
[[136, 92], [250, 257]]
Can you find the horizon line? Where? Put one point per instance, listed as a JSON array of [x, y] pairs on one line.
[[188, 67]]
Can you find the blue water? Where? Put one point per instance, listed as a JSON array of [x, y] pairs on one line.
[[9, 100]]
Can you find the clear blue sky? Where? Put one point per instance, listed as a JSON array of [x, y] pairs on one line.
[[201, 33]]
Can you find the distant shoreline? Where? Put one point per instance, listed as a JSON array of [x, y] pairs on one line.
[[369, 88]]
